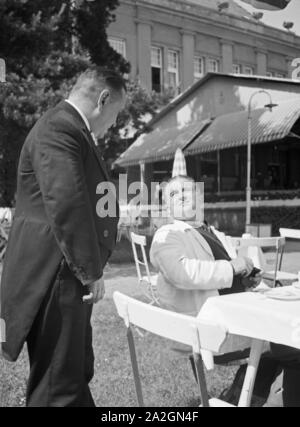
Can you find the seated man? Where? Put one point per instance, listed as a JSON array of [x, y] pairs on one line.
[[193, 265]]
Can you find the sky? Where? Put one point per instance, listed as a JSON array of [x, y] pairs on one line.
[[276, 19]]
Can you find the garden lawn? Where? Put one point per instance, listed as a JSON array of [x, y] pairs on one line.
[[166, 375]]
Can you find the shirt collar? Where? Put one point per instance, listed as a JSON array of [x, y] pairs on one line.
[[82, 115], [182, 225]]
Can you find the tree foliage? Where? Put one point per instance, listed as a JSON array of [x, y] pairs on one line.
[[140, 108], [46, 44], [37, 44]]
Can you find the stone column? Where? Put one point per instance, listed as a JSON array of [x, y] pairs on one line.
[[261, 63], [188, 54], [227, 56], [165, 68], [144, 54]]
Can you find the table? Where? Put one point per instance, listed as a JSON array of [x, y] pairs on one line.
[[255, 316]]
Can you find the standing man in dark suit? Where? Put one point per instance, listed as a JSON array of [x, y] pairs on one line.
[[60, 242]]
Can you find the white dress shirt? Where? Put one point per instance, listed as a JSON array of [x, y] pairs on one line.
[[80, 113], [85, 120]]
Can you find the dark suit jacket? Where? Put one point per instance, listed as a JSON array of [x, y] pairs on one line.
[[59, 171]]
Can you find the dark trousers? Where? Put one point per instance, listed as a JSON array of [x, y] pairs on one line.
[[277, 381], [289, 361], [60, 347]]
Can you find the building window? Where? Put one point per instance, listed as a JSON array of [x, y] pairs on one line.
[[248, 71], [198, 67], [118, 45], [173, 69], [237, 69], [213, 66], [156, 68]]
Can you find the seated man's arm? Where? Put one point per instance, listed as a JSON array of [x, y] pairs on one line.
[[168, 255]]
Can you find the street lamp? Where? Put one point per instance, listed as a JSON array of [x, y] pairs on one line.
[[270, 106]]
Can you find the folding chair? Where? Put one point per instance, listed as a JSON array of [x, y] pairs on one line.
[[3, 241], [173, 326], [278, 243], [150, 281], [123, 230]]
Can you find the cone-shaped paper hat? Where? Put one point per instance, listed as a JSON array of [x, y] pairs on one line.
[[179, 166]]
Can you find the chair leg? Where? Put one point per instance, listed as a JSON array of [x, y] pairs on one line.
[[135, 367], [192, 362], [281, 258], [201, 380]]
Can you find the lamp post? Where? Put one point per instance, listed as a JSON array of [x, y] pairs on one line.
[[270, 106]]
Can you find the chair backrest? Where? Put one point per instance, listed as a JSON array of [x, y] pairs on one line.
[[261, 242], [140, 241], [6, 214], [252, 247], [3, 241], [290, 233], [188, 330]]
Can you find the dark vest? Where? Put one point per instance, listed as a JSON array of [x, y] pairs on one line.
[[220, 253]]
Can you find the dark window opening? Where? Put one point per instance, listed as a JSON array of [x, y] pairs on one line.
[[156, 79]]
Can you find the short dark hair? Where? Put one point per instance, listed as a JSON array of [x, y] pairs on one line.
[[102, 77]]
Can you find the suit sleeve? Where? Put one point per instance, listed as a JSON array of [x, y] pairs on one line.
[[58, 164], [168, 256]]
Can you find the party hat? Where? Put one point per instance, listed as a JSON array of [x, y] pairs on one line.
[[179, 166]]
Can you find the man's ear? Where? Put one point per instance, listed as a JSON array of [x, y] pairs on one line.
[[103, 99]]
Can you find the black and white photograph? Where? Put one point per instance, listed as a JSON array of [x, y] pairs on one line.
[[149, 206]]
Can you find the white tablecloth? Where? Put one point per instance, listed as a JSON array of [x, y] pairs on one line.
[[255, 316]]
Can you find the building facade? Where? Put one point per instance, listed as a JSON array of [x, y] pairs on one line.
[[173, 43], [209, 122]]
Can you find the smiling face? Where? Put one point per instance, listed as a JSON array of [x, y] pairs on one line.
[[181, 198]]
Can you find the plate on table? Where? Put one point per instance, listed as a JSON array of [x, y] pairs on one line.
[[288, 293], [297, 285]]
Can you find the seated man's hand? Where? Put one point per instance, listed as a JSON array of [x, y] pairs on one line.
[[242, 266], [252, 282], [96, 292]]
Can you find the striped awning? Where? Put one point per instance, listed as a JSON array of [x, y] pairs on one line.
[[231, 130], [268, 4], [160, 145]]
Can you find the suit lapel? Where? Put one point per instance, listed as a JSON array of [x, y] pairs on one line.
[[202, 242], [188, 229], [97, 154], [78, 119]]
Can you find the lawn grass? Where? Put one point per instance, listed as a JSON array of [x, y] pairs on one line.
[[166, 375]]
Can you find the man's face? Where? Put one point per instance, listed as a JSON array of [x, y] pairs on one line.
[[105, 118], [181, 199]]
